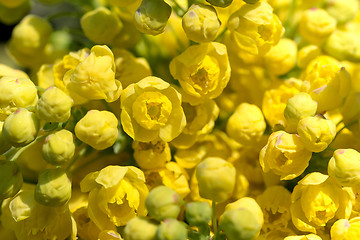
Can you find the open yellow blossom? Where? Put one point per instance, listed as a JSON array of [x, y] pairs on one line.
[[285, 155], [255, 28], [94, 77], [327, 82], [152, 109], [316, 200], [117, 194], [203, 71], [344, 229], [32, 221], [200, 120], [275, 204]]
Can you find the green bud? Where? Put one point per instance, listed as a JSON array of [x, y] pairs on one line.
[[152, 16], [171, 229], [198, 213], [298, 107], [53, 188], [239, 224], [59, 147], [163, 202], [342, 45], [21, 127], [220, 3], [54, 105], [140, 228], [11, 15], [11, 179], [101, 25]]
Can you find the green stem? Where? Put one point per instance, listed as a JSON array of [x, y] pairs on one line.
[[287, 24], [64, 14], [16, 152], [214, 223], [81, 153]]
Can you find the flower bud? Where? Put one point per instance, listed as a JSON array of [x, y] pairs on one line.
[[201, 23], [12, 15], [98, 129], [59, 147], [247, 124], [11, 179], [220, 3], [140, 228], [163, 202], [342, 11], [298, 107], [307, 54], [341, 44], [100, 25], [344, 167], [316, 25], [21, 127], [171, 229], [54, 105], [198, 213], [344, 229], [239, 224], [216, 178], [316, 133], [152, 16], [53, 188]]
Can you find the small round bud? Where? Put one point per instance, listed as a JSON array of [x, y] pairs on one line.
[[216, 178], [344, 167], [100, 25], [152, 16], [247, 124], [342, 44], [12, 15], [307, 54], [220, 3], [316, 133], [201, 23], [171, 229], [98, 129], [59, 147], [140, 228], [198, 213], [163, 202], [54, 105], [12, 3], [239, 224], [298, 107], [53, 188], [21, 127], [342, 11], [11, 179]]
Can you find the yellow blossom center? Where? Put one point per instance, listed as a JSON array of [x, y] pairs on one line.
[[152, 110], [204, 78]]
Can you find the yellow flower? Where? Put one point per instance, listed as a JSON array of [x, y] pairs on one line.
[[117, 194], [307, 54], [247, 124], [285, 155], [94, 77], [316, 25], [6, 71], [275, 204], [152, 109], [344, 229], [327, 82], [98, 129], [151, 155], [32, 221], [316, 133], [172, 176], [130, 69], [275, 99], [16, 92], [203, 71], [200, 120], [283, 54], [254, 28], [316, 200], [304, 237]]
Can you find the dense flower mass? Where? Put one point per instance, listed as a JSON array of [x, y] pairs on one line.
[[180, 120]]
